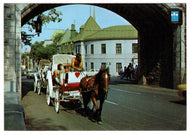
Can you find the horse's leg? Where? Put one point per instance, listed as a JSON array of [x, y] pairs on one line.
[[86, 99], [99, 111], [93, 117]]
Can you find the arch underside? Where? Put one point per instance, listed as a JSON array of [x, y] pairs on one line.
[[155, 35]]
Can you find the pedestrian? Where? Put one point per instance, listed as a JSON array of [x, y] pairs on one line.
[[135, 71], [125, 72], [121, 71]]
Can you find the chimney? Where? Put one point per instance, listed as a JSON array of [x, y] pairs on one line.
[[72, 27], [73, 31]]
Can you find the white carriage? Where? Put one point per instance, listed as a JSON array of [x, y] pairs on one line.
[[40, 79], [69, 90]]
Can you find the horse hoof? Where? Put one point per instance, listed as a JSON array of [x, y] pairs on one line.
[[92, 119], [99, 122]]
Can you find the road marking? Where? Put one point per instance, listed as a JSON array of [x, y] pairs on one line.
[[111, 102], [125, 91]]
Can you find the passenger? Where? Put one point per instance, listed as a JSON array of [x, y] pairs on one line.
[[59, 75], [77, 63], [42, 72]]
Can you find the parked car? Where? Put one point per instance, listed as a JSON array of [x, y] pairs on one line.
[[30, 73], [182, 90]]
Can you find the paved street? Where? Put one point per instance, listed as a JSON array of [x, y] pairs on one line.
[[128, 107]]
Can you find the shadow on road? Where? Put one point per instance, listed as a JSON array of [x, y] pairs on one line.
[[27, 85], [116, 81], [43, 124], [182, 102]]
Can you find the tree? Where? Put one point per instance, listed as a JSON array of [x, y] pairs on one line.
[[51, 16], [33, 54], [46, 52], [38, 51]]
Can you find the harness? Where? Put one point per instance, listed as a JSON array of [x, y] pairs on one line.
[[89, 85]]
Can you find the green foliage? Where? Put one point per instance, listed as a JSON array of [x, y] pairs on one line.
[[51, 16], [26, 39], [38, 51], [24, 55]]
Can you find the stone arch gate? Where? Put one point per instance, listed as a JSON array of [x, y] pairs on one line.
[[162, 45]]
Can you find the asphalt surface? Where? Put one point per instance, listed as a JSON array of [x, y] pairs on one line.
[[127, 107]]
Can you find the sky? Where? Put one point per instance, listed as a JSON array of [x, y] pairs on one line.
[[78, 15]]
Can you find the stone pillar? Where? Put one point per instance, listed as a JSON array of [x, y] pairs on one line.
[[179, 53], [82, 51], [12, 48]]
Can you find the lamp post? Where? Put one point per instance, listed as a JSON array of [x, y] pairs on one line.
[[38, 25]]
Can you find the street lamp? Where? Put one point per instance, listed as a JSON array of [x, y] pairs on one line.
[[38, 25]]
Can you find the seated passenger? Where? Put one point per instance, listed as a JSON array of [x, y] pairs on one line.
[[42, 72], [58, 78], [77, 63]]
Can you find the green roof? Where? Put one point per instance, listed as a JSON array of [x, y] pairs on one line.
[[115, 32], [87, 29], [65, 37], [56, 32]]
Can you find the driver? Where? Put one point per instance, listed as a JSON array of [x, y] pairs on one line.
[[77, 62]]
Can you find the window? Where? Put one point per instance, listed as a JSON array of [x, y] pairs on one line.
[[118, 66], [92, 66], [85, 49], [92, 49], [86, 65], [118, 48], [103, 48], [134, 48], [78, 49], [103, 65]]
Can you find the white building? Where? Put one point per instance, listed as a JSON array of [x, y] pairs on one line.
[[115, 46], [47, 42]]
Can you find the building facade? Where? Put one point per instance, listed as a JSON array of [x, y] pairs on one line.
[[115, 46], [112, 53]]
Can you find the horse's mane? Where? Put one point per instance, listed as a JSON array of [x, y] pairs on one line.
[[98, 75]]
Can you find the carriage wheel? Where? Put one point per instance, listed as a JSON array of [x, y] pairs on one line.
[[48, 99], [38, 88], [56, 106], [56, 101]]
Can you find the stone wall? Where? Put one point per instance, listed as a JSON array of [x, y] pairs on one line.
[[12, 48]]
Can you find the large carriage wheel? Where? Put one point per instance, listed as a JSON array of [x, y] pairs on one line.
[[39, 87], [56, 101], [48, 99]]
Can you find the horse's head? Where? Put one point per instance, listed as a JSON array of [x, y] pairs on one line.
[[103, 77]]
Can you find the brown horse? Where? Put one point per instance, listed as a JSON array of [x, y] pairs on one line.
[[95, 88]]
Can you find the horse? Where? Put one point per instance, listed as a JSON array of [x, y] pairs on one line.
[[95, 88]]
